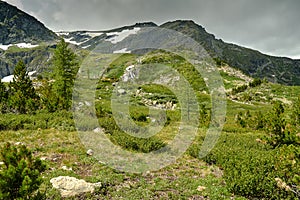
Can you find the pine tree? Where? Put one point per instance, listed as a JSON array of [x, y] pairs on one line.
[[20, 175], [3, 97], [48, 97], [23, 96], [280, 133], [296, 113], [65, 69]]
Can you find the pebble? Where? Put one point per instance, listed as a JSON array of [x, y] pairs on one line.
[[90, 152]]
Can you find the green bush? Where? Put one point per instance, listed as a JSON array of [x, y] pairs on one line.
[[256, 82], [239, 89], [296, 113], [62, 120], [126, 141], [278, 132], [254, 174], [20, 175], [136, 144], [252, 169]]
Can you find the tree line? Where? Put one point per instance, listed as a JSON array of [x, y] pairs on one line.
[[21, 97]]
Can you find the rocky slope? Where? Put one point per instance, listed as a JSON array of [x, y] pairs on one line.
[[251, 62], [18, 27], [23, 37]]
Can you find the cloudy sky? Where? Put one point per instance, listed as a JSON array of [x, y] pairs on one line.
[[270, 26]]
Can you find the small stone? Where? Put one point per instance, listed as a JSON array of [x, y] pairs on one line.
[[88, 103], [66, 168], [281, 184], [98, 130], [43, 158], [121, 91], [90, 152], [201, 188], [1, 163], [18, 143], [103, 163]]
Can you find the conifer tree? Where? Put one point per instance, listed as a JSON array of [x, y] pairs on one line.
[[23, 96], [65, 69], [20, 175], [280, 133], [3, 97], [296, 113]]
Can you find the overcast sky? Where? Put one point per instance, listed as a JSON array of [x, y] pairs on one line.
[[270, 26]]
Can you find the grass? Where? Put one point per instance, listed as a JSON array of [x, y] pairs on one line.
[[230, 81], [177, 181], [213, 177]]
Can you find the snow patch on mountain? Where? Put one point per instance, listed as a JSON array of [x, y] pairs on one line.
[[93, 34], [119, 36], [78, 38], [122, 51], [85, 47], [62, 33], [8, 79], [20, 45], [71, 41]]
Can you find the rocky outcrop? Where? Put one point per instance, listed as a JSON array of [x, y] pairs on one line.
[[251, 62], [35, 59]]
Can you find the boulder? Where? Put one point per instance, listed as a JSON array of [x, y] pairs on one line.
[[70, 186]]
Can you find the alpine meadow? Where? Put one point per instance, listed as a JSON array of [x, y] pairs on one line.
[[143, 111]]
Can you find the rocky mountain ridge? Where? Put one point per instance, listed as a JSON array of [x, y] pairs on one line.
[[18, 27], [251, 62]]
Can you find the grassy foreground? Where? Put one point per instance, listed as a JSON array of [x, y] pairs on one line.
[[188, 178]]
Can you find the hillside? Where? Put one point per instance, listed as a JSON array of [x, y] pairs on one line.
[[23, 37], [240, 166], [251, 62], [17, 26], [143, 112], [22, 30]]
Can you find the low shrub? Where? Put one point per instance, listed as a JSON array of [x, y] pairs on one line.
[[136, 144], [59, 120], [255, 170]]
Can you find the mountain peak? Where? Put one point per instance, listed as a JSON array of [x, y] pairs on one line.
[[183, 23], [17, 26], [145, 24]]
